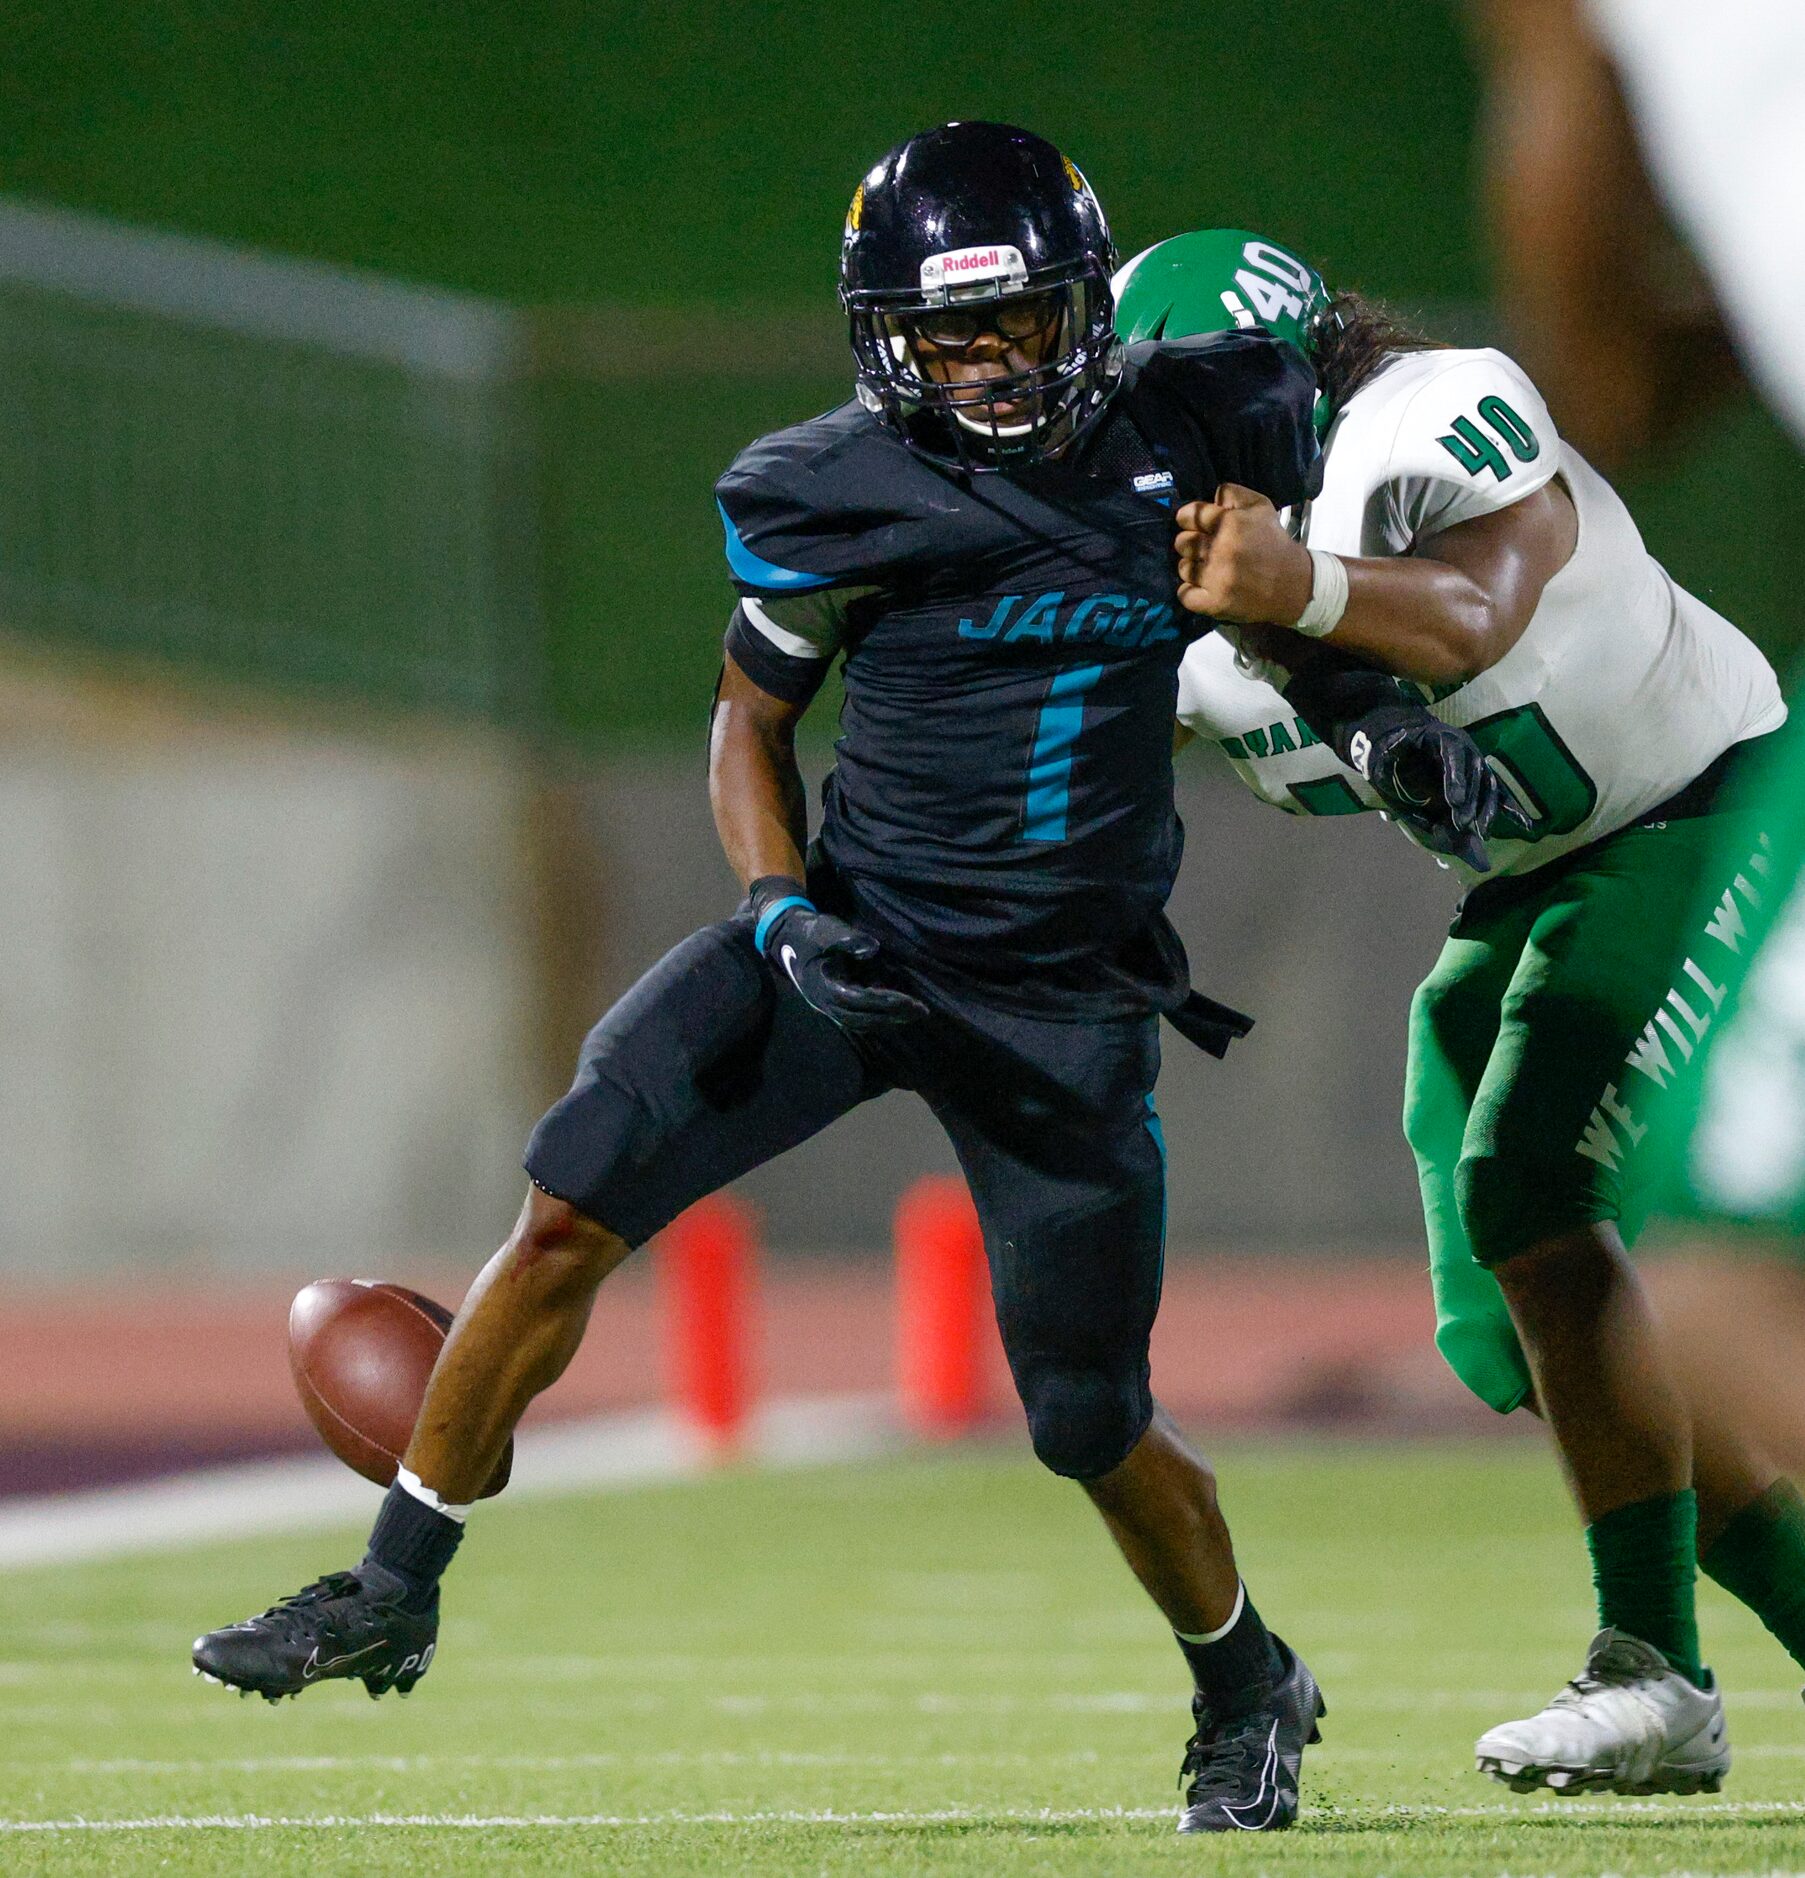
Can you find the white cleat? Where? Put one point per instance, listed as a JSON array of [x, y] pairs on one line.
[[1627, 1723]]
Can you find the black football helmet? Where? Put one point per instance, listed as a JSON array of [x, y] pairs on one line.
[[975, 271]]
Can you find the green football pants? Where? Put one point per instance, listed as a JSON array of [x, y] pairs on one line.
[[1563, 1005], [1733, 1150]]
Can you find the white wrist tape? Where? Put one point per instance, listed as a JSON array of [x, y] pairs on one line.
[[412, 1483], [1328, 596]]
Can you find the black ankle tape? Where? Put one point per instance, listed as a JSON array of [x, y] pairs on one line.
[[412, 1540]]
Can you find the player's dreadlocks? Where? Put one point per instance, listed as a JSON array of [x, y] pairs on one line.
[[1353, 340]]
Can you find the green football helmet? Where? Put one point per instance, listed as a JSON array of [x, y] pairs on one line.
[[1218, 280]]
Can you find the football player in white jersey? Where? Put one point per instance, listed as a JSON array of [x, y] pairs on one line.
[[1457, 543]]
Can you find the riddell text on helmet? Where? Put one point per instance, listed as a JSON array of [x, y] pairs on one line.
[[999, 261]]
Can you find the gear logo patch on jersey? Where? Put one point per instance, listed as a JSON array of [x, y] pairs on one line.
[[968, 267], [1155, 483]]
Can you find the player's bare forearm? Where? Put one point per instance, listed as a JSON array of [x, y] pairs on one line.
[[754, 785], [1417, 619], [1616, 325], [1567, 217], [1457, 605], [1440, 615], [1424, 619]]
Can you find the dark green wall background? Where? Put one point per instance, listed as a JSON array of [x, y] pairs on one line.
[[695, 156], [552, 150]]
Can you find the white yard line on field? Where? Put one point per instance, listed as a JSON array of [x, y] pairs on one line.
[[28, 1711], [262, 1822], [565, 1763], [977, 1816], [697, 1757], [308, 1491]]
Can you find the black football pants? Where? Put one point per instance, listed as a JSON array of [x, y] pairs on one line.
[[711, 1065]]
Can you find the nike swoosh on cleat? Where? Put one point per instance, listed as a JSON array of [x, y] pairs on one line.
[[1270, 1799], [313, 1668]]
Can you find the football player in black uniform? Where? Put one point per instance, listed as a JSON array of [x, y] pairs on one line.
[[984, 537]]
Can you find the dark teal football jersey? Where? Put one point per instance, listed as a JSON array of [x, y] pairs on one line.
[[1000, 806]]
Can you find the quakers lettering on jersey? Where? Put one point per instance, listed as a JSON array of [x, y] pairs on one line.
[[1621, 690]]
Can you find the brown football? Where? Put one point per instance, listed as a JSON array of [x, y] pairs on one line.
[[361, 1352]]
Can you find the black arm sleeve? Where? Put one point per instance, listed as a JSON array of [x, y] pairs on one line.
[[784, 675]]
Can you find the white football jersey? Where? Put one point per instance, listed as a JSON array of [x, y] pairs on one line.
[[1623, 686]]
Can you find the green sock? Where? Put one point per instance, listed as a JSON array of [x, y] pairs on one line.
[[1643, 1563], [1759, 1558]]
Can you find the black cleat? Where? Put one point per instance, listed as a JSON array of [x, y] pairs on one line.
[[1241, 1774], [346, 1624]]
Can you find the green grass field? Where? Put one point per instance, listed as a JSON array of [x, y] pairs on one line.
[[931, 1665]]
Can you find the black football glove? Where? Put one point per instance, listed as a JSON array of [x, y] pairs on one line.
[[1432, 777], [1429, 775], [828, 961]]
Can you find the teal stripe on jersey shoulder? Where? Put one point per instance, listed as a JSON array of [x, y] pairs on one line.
[[756, 571]]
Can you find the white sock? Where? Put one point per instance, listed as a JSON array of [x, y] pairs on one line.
[[412, 1483]]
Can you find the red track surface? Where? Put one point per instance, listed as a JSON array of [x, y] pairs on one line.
[[108, 1384]]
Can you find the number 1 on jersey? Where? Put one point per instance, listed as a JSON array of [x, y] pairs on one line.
[[1050, 762]]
